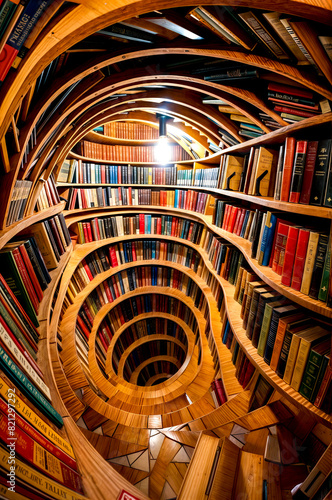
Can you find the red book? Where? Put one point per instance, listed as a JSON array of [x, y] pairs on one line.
[[290, 249], [103, 340], [288, 168], [279, 249], [195, 206], [115, 287], [7, 56], [87, 269], [85, 232], [73, 199], [238, 227], [96, 228], [87, 312], [297, 105], [308, 172], [173, 227], [88, 227], [39, 458], [300, 256], [130, 197], [232, 219], [102, 174], [119, 175], [237, 219], [83, 327], [228, 209], [243, 370], [248, 374], [133, 251], [287, 89], [25, 278], [39, 438], [108, 292], [141, 224], [31, 272], [220, 390], [297, 112]]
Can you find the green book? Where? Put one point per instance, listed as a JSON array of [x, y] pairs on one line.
[[313, 368], [266, 325], [16, 331], [28, 389], [324, 284], [11, 274]]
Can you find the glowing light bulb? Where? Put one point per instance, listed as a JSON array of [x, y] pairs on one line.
[[163, 151]]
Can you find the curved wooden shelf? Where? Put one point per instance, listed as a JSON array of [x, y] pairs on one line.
[[11, 231], [246, 344], [264, 272], [268, 202]]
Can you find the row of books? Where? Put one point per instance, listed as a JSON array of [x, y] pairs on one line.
[[281, 36], [130, 130], [119, 225], [299, 173], [283, 333], [107, 197], [78, 172], [206, 177], [16, 41], [25, 263], [184, 177], [136, 251], [127, 153], [301, 256], [22, 387], [48, 196], [18, 201]]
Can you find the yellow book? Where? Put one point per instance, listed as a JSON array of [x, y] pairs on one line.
[[265, 164], [36, 479], [309, 262], [33, 419], [241, 118], [232, 172]]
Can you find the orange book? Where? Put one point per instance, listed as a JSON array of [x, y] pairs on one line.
[[288, 168]]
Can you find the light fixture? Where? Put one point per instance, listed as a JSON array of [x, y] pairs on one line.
[[162, 150]]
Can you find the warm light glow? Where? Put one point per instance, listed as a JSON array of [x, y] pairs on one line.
[[162, 151]]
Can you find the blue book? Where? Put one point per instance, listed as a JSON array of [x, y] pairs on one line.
[[244, 225], [125, 254], [226, 332], [26, 22], [148, 224], [176, 199], [121, 283], [153, 249], [267, 239]]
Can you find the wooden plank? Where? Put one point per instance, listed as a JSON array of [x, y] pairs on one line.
[[249, 481], [225, 475], [167, 452]]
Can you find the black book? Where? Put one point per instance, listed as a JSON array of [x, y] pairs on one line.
[[51, 238], [253, 309], [64, 228], [256, 233], [263, 299], [297, 326], [40, 259], [322, 164], [36, 266], [318, 266], [278, 312], [261, 394]]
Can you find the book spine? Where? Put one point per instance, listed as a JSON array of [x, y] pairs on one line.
[[300, 363], [318, 266], [40, 458], [38, 480], [298, 171], [28, 389], [287, 269], [320, 173], [300, 256], [287, 168]]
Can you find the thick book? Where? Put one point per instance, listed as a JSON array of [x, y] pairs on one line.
[[308, 173], [266, 322], [287, 168], [231, 172], [263, 301], [41, 236], [287, 269], [283, 324], [265, 172], [277, 314], [298, 171], [300, 256], [309, 262], [253, 308], [324, 284], [261, 394], [318, 266], [322, 166], [268, 239], [314, 366]]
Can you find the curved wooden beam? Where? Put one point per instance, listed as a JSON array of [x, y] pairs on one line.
[[88, 18], [135, 374]]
